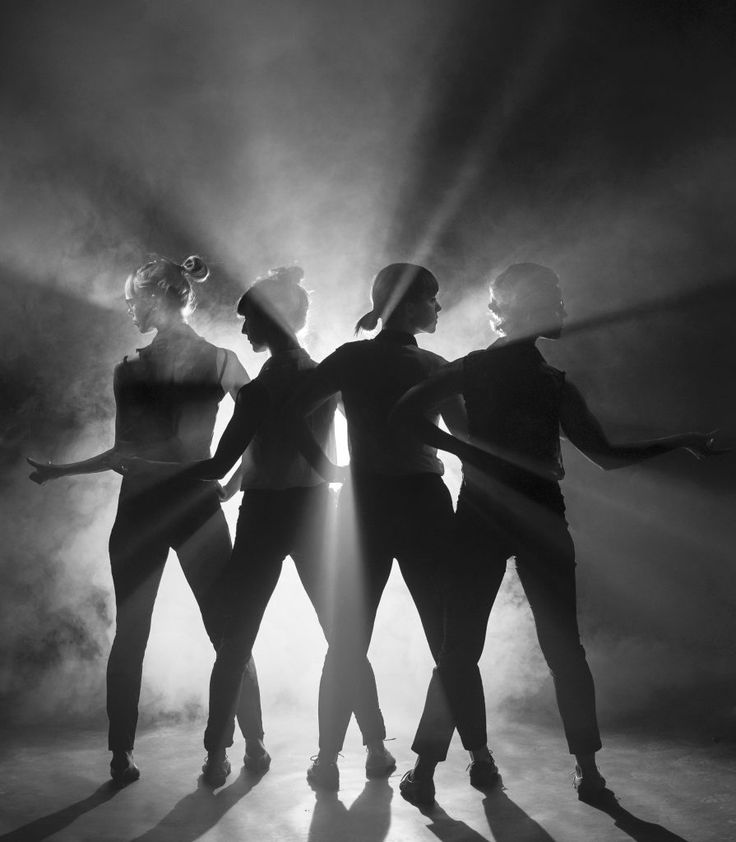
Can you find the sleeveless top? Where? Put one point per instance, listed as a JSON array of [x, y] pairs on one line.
[[167, 398], [512, 397]]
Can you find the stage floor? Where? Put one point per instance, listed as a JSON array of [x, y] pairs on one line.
[[55, 787]]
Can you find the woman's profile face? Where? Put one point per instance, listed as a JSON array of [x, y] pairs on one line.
[[253, 329], [425, 311], [141, 309]]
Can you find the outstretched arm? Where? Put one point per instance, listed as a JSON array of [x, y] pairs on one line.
[[250, 407], [105, 461], [584, 430]]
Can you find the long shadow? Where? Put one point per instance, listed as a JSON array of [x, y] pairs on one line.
[[638, 829], [509, 823], [367, 820], [198, 812], [49, 825], [448, 829]]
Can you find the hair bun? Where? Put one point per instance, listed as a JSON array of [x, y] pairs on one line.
[[196, 269]]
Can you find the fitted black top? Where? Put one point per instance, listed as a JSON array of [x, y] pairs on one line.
[[372, 375], [512, 397]]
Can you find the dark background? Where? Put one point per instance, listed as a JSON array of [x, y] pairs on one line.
[[598, 138]]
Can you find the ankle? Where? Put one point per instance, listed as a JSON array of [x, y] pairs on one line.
[[424, 769], [375, 747], [586, 763], [255, 748], [327, 757], [482, 754]]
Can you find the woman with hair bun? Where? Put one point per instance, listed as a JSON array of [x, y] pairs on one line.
[[166, 404], [284, 506], [396, 499]]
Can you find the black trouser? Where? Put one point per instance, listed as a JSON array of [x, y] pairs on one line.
[[406, 518], [530, 526], [271, 526], [188, 518]]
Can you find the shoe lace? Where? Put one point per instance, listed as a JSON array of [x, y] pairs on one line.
[[315, 758]]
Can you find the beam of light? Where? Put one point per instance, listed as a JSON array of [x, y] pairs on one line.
[[546, 36]]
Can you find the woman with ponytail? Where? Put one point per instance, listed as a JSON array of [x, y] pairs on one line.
[[166, 404], [396, 498]]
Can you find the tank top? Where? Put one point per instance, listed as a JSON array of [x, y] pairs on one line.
[[167, 398]]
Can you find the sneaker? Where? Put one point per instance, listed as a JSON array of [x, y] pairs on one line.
[[257, 764], [323, 774], [123, 770], [417, 791], [379, 764], [216, 768], [589, 786], [483, 773]]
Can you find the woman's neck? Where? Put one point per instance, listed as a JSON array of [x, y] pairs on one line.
[[400, 324], [282, 344], [169, 325]]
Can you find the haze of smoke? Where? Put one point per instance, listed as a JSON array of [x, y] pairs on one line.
[[155, 157]]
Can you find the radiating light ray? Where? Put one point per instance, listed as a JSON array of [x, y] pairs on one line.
[[547, 34]]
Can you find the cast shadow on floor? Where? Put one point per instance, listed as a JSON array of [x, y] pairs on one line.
[[46, 826], [638, 829], [199, 811], [368, 819]]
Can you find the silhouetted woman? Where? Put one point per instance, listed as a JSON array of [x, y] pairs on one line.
[[510, 504], [396, 500], [283, 512], [166, 404]]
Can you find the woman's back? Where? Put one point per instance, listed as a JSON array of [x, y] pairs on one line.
[[372, 375]]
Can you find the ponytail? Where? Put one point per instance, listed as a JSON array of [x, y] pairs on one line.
[[368, 321], [392, 286]]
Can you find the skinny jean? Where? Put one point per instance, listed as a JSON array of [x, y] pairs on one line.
[[272, 525], [408, 518], [530, 525], [186, 517]]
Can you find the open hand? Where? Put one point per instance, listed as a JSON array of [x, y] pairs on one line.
[[43, 471], [705, 444]]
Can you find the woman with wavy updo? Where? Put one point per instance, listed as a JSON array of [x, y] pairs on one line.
[[166, 403]]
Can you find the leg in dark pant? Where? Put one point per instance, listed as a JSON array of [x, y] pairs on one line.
[[455, 695], [311, 555], [261, 544], [137, 554], [347, 681], [203, 557], [546, 568]]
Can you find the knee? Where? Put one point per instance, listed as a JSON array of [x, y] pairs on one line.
[[564, 655]]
